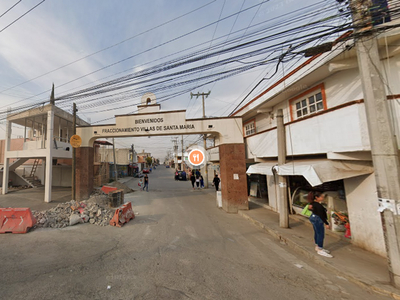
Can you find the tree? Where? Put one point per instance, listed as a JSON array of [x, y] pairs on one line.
[[149, 160]]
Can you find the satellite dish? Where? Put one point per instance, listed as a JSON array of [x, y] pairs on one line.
[[148, 99]]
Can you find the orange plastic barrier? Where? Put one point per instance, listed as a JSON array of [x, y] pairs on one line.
[[106, 189], [122, 215], [16, 220]]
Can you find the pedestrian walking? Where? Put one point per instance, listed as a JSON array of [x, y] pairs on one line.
[[192, 179], [216, 182], [319, 220], [198, 181], [146, 183], [140, 183], [201, 181]]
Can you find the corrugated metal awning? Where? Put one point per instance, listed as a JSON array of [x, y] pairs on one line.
[[316, 171]]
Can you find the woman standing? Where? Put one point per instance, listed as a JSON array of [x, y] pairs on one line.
[[318, 219]]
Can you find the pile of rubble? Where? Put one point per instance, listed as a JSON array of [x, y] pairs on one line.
[[73, 212], [121, 186]]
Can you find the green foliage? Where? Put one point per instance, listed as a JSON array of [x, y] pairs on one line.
[[149, 160]]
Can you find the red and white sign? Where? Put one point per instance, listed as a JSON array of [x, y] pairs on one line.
[[196, 157]]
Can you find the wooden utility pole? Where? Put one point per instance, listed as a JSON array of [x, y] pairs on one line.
[[74, 153], [282, 181], [115, 163], [205, 135], [384, 147]]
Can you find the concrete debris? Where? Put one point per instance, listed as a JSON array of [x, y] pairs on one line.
[[75, 219], [94, 211]]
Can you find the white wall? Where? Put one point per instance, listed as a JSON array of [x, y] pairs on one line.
[[338, 131], [342, 87], [62, 176], [365, 221]]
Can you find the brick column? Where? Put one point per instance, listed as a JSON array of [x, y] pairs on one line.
[[84, 172], [233, 164]]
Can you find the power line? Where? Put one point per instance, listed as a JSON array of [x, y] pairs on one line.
[[83, 76], [10, 8], [21, 16], [107, 48]]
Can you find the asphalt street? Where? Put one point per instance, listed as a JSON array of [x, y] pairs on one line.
[[179, 246]]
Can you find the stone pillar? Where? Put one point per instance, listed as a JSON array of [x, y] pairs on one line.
[[233, 177], [6, 167], [84, 172]]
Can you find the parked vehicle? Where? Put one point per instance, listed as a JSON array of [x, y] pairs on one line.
[[180, 175], [167, 166], [146, 171]]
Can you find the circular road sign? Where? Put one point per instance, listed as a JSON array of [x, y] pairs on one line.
[[196, 157], [75, 141]]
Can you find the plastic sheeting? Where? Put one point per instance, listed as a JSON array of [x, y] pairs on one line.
[[316, 172]]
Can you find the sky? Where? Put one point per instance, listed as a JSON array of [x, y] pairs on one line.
[[77, 44]]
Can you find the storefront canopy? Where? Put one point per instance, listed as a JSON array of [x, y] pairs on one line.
[[316, 172]]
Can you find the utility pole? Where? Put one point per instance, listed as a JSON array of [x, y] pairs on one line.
[[115, 162], [282, 180], [175, 140], [132, 159], [74, 110], [384, 147], [182, 158], [205, 135]]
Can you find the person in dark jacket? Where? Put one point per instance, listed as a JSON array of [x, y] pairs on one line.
[[319, 220], [192, 179], [216, 181], [146, 183]]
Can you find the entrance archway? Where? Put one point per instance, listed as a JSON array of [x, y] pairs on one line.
[[228, 137]]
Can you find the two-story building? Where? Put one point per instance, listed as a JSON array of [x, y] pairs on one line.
[[46, 133], [327, 140]]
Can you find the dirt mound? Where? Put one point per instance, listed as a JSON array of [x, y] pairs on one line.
[[121, 186]]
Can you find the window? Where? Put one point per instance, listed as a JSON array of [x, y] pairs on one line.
[[308, 103], [250, 128]]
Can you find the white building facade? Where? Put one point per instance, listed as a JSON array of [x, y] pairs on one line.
[[327, 140]]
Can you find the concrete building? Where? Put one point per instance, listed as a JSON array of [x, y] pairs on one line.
[[47, 130], [142, 159], [127, 164], [327, 140]]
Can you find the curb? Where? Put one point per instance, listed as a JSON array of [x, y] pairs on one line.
[[316, 259]]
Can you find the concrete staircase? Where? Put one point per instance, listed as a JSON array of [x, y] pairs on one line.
[[16, 164], [27, 181]]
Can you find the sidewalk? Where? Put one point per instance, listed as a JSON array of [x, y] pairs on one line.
[[355, 264]]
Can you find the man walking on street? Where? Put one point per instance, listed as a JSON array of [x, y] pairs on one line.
[[216, 182], [146, 183]]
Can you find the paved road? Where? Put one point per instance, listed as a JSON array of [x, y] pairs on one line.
[[180, 246]]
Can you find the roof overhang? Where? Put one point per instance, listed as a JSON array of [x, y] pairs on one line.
[[315, 171]]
